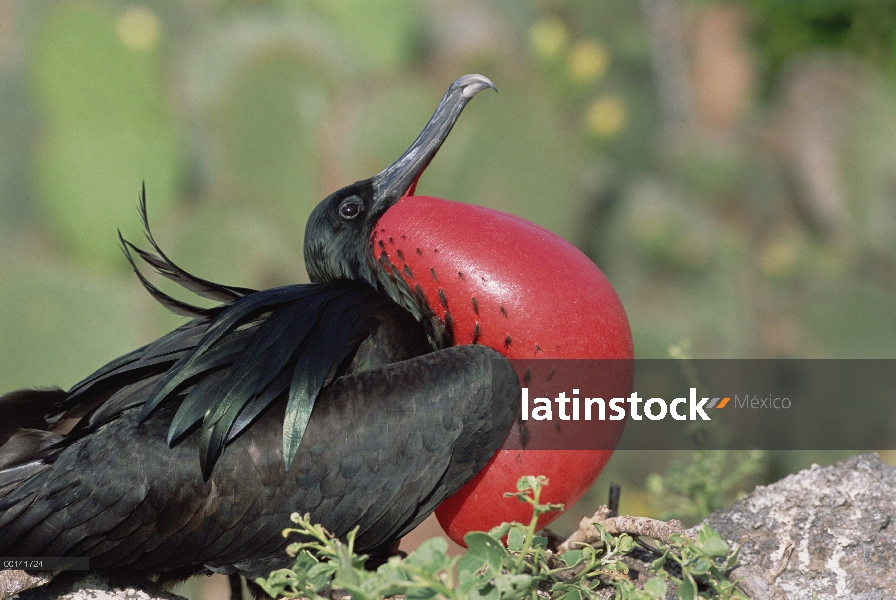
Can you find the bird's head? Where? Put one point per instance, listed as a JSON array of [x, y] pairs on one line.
[[338, 233]]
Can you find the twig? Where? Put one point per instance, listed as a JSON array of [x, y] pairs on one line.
[[635, 526], [782, 564]]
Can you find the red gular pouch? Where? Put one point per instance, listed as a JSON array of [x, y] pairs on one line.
[[501, 281]]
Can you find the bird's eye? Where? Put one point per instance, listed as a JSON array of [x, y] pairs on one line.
[[351, 207]]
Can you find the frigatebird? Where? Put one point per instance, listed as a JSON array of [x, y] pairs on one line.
[[343, 398]]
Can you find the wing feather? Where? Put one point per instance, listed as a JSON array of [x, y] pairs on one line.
[[166, 267], [327, 345]]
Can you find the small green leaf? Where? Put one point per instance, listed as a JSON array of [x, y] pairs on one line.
[[487, 592], [656, 587], [485, 549], [509, 585], [687, 589], [572, 558], [467, 569], [468, 564], [706, 532], [626, 543], [305, 560], [700, 566], [345, 572], [572, 595], [732, 560], [516, 537], [714, 547], [322, 571], [618, 566], [526, 483], [501, 530], [416, 594], [430, 555]]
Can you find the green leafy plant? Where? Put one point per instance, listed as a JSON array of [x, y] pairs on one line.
[[705, 482], [521, 567], [707, 559]]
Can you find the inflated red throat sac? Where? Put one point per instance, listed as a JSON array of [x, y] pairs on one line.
[[504, 282]]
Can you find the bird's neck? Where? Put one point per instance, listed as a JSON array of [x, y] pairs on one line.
[[390, 281]]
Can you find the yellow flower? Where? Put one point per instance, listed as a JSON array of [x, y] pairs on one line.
[[588, 61], [548, 38], [606, 116], [138, 28]]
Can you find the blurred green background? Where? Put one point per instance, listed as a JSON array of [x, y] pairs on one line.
[[731, 166]]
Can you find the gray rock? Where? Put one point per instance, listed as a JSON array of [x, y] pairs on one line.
[[841, 521], [73, 585]]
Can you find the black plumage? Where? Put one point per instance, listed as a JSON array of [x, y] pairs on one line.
[[382, 464], [338, 398]]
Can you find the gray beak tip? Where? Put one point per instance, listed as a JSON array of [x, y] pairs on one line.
[[473, 84]]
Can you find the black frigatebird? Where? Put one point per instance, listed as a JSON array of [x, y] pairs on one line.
[[189, 454]]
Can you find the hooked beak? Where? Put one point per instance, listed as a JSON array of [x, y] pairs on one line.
[[400, 179]]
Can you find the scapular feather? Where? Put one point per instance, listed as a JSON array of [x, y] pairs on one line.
[[195, 404], [166, 267], [152, 357], [233, 316], [174, 305], [256, 405], [317, 362], [291, 335], [123, 399], [263, 365]]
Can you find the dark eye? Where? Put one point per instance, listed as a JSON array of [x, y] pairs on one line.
[[351, 207]]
